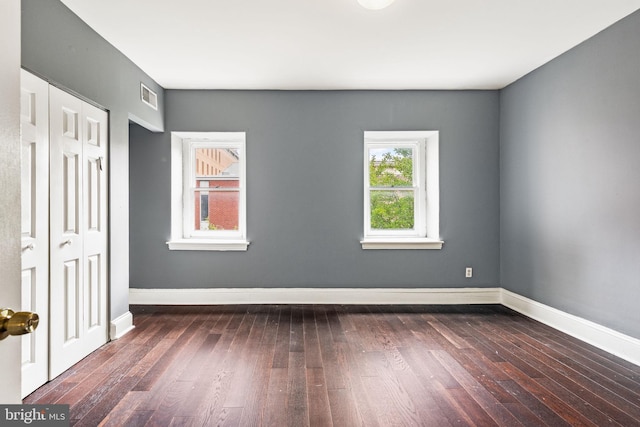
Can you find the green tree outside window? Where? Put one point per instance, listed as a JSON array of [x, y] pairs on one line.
[[391, 188]]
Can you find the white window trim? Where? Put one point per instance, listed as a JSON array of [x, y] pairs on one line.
[[181, 236], [427, 229]]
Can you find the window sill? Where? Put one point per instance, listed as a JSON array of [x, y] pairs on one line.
[[207, 245], [400, 243]]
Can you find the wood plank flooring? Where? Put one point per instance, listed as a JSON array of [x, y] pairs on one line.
[[299, 365]]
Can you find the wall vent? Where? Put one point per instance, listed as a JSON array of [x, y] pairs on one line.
[[148, 96]]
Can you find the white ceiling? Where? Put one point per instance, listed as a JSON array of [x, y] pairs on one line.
[[336, 44]]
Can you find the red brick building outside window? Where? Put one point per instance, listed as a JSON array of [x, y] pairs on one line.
[[217, 195]]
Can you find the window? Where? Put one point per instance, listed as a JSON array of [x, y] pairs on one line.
[[208, 192], [401, 190]]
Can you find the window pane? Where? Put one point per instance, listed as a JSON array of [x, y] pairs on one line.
[[217, 183], [221, 210], [217, 167], [392, 209], [391, 167]]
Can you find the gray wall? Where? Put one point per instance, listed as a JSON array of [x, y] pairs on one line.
[[570, 181], [305, 190], [61, 48]]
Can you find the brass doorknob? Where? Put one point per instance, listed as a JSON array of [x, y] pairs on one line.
[[20, 323]]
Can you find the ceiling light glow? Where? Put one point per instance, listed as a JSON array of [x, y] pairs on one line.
[[375, 4]]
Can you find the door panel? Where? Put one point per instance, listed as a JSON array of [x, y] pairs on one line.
[[94, 286], [71, 309], [94, 126], [71, 197], [66, 243], [34, 118], [93, 195], [78, 200]]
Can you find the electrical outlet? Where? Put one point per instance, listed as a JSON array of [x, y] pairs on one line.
[[468, 272]]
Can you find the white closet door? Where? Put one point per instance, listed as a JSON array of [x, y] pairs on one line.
[[34, 151], [94, 225], [78, 203]]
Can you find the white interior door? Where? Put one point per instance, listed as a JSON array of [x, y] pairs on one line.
[[78, 232], [94, 226], [34, 151], [9, 182]]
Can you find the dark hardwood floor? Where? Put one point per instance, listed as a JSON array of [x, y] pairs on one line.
[[282, 365]]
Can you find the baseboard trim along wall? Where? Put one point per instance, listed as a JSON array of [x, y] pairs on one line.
[[616, 343], [121, 325], [609, 340], [313, 296]]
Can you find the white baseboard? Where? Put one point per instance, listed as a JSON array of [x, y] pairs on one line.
[[121, 325], [616, 343], [221, 296]]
